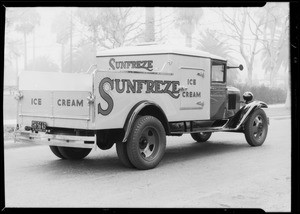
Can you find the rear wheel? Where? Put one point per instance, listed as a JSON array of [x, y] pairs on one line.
[[201, 136], [121, 148], [256, 128], [146, 143], [74, 153], [55, 151]]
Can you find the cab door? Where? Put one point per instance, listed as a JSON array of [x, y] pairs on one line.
[[195, 92], [218, 89]]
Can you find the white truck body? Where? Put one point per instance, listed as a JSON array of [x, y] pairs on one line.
[[63, 96], [134, 98]]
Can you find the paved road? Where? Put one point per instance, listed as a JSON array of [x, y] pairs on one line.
[[222, 173]]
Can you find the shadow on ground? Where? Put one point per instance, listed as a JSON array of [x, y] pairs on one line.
[[109, 164]]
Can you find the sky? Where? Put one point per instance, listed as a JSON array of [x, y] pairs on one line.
[[45, 39]]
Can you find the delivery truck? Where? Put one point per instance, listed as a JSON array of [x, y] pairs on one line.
[[134, 97]]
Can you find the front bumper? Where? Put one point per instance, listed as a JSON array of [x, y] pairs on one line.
[[55, 139]]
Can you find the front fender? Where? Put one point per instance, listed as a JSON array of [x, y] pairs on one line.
[[242, 115]]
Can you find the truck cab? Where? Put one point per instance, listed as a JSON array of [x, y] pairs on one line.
[[135, 97]]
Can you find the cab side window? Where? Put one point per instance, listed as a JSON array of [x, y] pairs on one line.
[[218, 72]]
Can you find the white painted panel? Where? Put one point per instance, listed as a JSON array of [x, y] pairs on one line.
[[138, 63], [112, 107], [116, 102], [53, 81], [156, 49], [70, 104]]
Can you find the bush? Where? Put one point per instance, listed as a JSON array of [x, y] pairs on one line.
[[263, 93]]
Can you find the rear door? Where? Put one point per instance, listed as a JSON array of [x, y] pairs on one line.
[[59, 99]]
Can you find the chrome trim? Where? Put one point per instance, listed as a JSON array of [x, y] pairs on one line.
[[93, 65], [191, 68], [137, 72], [55, 140], [53, 117], [190, 108]]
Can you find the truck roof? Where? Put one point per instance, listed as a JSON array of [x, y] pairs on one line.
[[156, 49]]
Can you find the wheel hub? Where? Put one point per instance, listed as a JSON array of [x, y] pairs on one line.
[[147, 144], [258, 127]]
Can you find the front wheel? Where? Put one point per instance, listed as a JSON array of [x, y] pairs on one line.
[[146, 143], [256, 128]]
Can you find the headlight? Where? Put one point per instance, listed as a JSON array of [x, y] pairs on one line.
[[248, 96]]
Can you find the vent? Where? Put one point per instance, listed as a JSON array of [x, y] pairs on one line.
[[231, 101]]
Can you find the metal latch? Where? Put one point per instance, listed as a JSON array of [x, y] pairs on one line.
[[91, 98], [201, 74], [18, 95], [200, 103]]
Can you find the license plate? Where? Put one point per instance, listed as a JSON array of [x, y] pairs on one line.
[[38, 126]]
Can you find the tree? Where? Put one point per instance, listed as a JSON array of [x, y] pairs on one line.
[[247, 46], [275, 39], [210, 42], [187, 20], [43, 63], [83, 58], [91, 19], [111, 27], [61, 25], [26, 23]]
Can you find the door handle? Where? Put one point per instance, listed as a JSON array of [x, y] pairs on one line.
[[201, 74], [200, 103]]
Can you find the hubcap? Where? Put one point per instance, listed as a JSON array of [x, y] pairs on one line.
[[148, 143], [258, 127]]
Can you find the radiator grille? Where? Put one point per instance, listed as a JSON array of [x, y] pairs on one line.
[[231, 101]]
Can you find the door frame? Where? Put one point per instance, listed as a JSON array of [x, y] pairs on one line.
[[218, 93]]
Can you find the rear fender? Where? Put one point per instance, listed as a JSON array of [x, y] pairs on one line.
[[138, 109], [239, 119]]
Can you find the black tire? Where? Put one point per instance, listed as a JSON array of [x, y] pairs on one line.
[[256, 128], [146, 143], [201, 136], [55, 151], [74, 153], [121, 148]]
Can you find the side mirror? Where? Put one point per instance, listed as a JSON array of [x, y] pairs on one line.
[[241, 67]]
